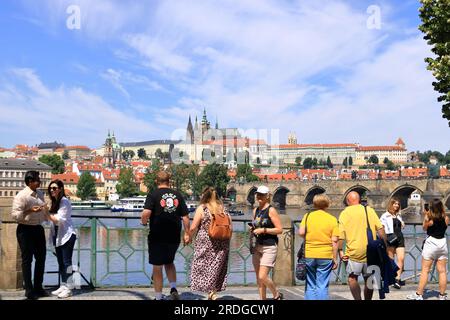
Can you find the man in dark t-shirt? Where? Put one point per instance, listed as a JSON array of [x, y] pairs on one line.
[[165, 208]]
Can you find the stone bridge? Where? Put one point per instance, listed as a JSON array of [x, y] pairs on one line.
[[378, 192]]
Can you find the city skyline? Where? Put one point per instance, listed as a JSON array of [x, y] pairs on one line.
[[320, 70]]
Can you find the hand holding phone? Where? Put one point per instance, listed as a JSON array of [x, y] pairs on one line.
[[427, 207]]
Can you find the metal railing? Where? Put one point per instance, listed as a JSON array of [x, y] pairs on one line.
[[113, 251], [414, 237]]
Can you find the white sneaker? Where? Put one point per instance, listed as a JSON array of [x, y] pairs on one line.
[[414, 296], [58, 291], [65, 293], [443, 296]]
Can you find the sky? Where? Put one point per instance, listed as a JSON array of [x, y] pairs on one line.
[[332, 71]]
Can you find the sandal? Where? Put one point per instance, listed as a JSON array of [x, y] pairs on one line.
[[279, 296], [212, 296]]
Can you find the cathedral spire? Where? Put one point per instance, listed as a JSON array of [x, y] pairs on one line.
[[217, 123]]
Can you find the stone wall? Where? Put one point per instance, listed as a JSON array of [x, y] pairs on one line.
[[10, 257]]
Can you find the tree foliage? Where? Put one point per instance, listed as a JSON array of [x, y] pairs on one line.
[[345, 162], [308, 163], [215, 175], [150, 175], [53, 161], [126, 186], [141, 153], [128, 155], [245, 171], [373, 159], [86, 186], [65, 155], [329, 163], [435, 15]]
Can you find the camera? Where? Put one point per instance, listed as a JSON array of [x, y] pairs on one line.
[[427, 207]]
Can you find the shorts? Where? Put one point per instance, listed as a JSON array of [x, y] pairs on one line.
[[265, 255], [161, 253], [356, 268], [435, 249], [399, 243]]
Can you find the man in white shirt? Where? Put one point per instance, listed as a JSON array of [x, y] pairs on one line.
[[28, 210]]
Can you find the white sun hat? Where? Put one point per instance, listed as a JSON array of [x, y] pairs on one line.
[[262, 190]]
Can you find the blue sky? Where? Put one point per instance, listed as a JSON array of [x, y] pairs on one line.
[[141, 68]]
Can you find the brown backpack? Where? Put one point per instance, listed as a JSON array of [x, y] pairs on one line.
[[220, 227]]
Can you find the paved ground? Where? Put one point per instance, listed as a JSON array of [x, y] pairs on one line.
[[337, 292]]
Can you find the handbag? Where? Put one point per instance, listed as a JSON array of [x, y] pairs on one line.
[[392, 238], [300, 268]]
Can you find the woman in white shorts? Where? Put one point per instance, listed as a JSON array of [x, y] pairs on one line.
[[434, 249]]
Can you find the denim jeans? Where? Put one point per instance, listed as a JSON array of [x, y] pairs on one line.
[[318, 273], [64, 256]]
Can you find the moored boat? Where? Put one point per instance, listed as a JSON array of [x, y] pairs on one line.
[[134, 204], [90, 205]]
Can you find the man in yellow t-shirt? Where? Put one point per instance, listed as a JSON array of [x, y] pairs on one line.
[[353, 229]]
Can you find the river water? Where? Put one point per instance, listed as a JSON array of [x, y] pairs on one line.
[[121, 243]]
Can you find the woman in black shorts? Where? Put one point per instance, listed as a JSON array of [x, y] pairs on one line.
[[393, 225]]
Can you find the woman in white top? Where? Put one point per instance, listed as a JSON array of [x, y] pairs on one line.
[[393, 225], [63, 235]]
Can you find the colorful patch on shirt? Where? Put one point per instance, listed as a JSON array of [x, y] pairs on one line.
[[170, 202]]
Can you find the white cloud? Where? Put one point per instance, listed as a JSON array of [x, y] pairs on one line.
[[307, 66], [33, 113], [378, 102], [120, 78]]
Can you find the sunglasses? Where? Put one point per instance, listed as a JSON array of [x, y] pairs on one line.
[[54, 188]]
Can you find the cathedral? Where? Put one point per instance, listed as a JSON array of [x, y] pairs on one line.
[[201, 136], [112, 152]]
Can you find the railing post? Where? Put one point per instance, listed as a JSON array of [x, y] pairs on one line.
[[94, 251], [10, 255], [283, 273]]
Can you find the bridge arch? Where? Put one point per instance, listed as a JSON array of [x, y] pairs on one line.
[[279, 197], [362, 191], [231, 194], [311, 193], [251, 195], [403, 193]]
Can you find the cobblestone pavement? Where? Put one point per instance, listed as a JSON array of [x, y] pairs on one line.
[[337, 292]]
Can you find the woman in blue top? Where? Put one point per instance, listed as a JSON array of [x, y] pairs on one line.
[[266, 227], [63, 235]]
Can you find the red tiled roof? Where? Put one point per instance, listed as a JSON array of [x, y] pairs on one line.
[[90, 167], [381, 148], [78, 148], [256, 142], [278, 176], [400, 141], [67, 178], [331, 145], [144, 163]]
